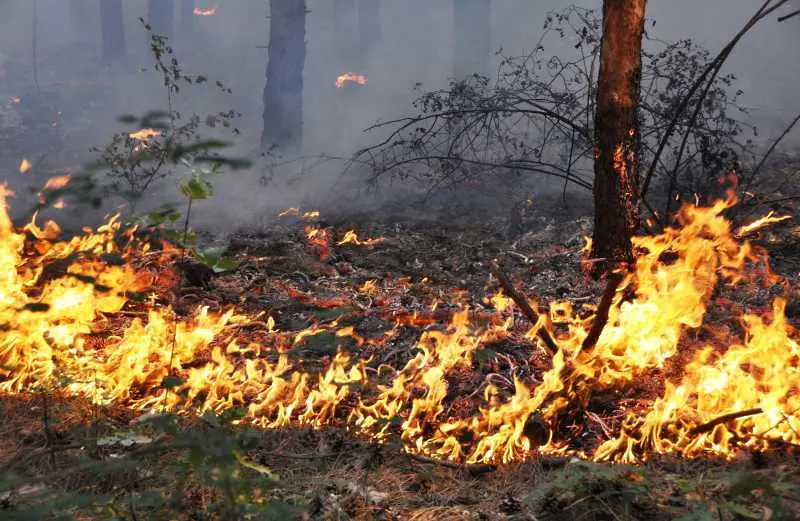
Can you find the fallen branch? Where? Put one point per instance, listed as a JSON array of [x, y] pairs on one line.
[[601, 316], [522, 302], [725, 418], [473, 469]]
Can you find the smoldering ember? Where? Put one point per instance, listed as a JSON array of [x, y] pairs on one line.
[[361, 259]]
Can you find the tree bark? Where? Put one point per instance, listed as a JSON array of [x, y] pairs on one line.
[[283, 92], [346, 26], [472, 38], [616, 165], [112, 29], [369, 24], [161, 17], [187, 17]]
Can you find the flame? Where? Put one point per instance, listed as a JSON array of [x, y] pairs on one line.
[[14, 100], [320, 240], [205, 11], [350, 237], [145, 134], [736, 393], [761, 223], [351, 77], [25, 166]]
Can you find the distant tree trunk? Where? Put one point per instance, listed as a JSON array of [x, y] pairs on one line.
[[283, 93], [161, 17], [347, 41], [369, 24], [187, 17], [472, 33], [616, 166], [79, 12], [112, 29]]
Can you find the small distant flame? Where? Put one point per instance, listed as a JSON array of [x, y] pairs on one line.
[[311, 214], [25, 166], [59, 181], [145, 134], [14, 100], [358, 79], [351, 237], [205, 11], [59, 204]]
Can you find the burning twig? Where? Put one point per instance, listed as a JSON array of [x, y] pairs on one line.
[[719, 420], [522, 302], [601, 317]]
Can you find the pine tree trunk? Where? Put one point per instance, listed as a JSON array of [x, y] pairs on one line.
[[187, 17], [369, 24], [112, 29], [616, 166], [283, 93], [347, 38], [472, 33], [161, 17]]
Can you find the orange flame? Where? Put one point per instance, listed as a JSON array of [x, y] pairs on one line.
[[352, 77], [49, 323]]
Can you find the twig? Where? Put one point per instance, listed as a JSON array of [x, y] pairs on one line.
[[522, 302], [769, 152], [719, 420], [790, 15], [473, 469], [601, 316]]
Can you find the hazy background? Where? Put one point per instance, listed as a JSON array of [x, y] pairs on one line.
[[231, 47]]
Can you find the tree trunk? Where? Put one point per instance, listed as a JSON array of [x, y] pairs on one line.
[[161, 17], [369, 24], [283, 93], [616, 165], [187, 17], [79, 13], [112, 29], [472, 33], [349, 56]]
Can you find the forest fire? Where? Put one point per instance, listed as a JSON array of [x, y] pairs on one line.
[[736, 392], [351, 78]]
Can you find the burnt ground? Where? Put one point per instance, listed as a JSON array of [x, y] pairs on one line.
[[328, 473]]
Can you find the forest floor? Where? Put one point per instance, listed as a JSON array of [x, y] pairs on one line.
[[46, 447]]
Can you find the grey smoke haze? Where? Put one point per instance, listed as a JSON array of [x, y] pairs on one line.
[[417, 46]]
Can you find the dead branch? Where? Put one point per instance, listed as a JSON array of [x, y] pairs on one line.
[[473, 469], [522, 302], [790, 15], [601, 316], [719, 420]]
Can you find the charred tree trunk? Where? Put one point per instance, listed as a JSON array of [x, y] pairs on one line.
[[616, 165], [161, 17], [283, 93], [369, 24], [112, 29], [472, 33], [187, 17]]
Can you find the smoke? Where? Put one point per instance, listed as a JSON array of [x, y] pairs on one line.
[[415, 46]]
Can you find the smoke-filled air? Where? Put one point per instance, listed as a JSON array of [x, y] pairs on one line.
[[399, 260]]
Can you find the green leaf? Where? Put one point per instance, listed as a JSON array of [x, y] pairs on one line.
[[743, 511], [701, 513], [197, 188], [484, 356], [211, 418], [746, 482], [225, 265]]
